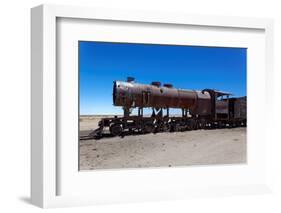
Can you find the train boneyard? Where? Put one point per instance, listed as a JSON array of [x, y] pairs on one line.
[[206, 109]]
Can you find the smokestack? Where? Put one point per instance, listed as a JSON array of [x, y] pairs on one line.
[[130, 79], [156, 83], [168, 85]]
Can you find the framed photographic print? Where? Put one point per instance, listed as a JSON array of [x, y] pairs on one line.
[[130, 106]]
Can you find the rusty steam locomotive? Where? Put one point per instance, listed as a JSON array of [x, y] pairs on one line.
[[204, 109]]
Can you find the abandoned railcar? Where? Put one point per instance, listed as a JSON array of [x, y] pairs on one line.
[[203, 109]]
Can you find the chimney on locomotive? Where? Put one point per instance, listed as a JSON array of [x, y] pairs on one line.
[[156, 83], [130, 79], [168, 85]]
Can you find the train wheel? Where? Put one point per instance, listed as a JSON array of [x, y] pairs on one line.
[[116, 129], [188, 125], [202, 124], [195, 125], [230, 125], [177, 127], [166, 128], [172, 129], [148, 128]]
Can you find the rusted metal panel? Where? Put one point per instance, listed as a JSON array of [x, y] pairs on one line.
[[131, 94], [203, 103], [222, 106], [240, 108]]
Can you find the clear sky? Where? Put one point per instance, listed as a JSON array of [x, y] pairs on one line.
[[186, 67]]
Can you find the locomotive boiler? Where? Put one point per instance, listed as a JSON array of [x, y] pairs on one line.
[[130, 95], [200, 109]]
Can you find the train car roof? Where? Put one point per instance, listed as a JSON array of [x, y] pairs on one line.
[[220, 93]]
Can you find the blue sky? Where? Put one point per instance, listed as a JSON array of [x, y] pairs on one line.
[[187, 67]]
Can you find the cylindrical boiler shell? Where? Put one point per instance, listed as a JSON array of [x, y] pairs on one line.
[[131, 94]]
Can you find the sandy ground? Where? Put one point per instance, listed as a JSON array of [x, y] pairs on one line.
[[200, 147]]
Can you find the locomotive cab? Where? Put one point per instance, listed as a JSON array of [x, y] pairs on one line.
[[222, 107]]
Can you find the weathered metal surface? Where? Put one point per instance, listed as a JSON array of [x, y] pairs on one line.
[[131, 94], [203, 103], [207, 109], [222, 106], [240, 108]]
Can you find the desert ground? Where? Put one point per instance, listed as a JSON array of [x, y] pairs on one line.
[[200, 147]]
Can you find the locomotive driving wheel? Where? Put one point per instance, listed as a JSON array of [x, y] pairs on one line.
[[148, 128], [116, 129], [202, 124], [166, 127], [176, 127]]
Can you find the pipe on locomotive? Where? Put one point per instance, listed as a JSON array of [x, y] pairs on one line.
[[130, 94]]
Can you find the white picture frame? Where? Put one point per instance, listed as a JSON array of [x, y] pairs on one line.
[[45, 152]]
